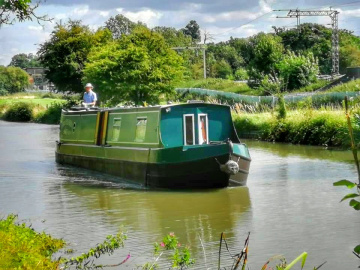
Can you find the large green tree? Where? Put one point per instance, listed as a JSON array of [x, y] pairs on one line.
[[13, 79], [262, 52], [64, 55], [23, 60], [138, 67]]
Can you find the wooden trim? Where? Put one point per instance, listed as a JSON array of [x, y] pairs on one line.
[[207, 127], [97, 128]]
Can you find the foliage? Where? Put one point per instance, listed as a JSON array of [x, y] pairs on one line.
[[223, 51], [64, 55], [298, 70], [19, 112], [218, 84], [23, 248], [121, 25], [22, 10], [241, 74], [181, 257], [351, 86], [192, 29], [222, 69], [271, 84], [281, 108], [352, 185], [300, 127], [13, 79], [173, 37], [314, 38], [138, 67], [51, 115], [23, 60], [86, 260], [261, 53]]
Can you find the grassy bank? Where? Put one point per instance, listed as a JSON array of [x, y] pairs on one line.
[[34, 107], [307, 126], [23, 248]]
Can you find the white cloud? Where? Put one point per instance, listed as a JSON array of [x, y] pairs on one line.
[[80, 11], [148, 16], [104, 13], [36, 28]]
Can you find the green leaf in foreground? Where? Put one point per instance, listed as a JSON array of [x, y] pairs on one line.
[[346, 183], [349, 196], [355, 204], [357, 249]]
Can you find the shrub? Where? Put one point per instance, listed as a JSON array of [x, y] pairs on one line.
[[298, 70], [241, 74], [222, 69], [51, 115], [19, 112]]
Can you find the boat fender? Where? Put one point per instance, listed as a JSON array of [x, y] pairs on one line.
[[230, 167]]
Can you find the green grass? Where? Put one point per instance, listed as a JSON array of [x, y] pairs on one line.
[[313, 127], [351, 86], [36, 101], [221, 85], [310, 88], [23, 248]]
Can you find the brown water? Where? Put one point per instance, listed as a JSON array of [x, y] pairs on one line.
[[289, 205]]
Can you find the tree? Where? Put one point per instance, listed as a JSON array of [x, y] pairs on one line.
[[263, 52], [23, 61], [64, 55], [172, 36], [22, 10], [121, 25], [192, 29], [13, 79], [222, 69], [298, 70], [138, 67], [223, 51]]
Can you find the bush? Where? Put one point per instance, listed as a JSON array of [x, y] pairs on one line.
[[19, 112], [3, 92], [298, 70], [51, 115], [222, 69], [327, 128], [241, 74]]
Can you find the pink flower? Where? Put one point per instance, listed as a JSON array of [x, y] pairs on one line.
[[179, 245], [172, 234], [162, 244]]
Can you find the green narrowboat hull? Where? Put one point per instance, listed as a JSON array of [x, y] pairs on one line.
[[179, 147]]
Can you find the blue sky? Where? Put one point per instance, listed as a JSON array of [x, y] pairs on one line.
[[221, 18]]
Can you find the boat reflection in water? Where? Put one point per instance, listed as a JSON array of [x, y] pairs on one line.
[[151, 214]]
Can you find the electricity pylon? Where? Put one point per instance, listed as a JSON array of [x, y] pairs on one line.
[[334, 16]]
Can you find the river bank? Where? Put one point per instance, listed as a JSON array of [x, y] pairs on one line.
[[311, 127]]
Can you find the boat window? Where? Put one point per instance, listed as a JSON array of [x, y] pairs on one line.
[[116, 129], [140, 129], [203, 129], [189, 130]]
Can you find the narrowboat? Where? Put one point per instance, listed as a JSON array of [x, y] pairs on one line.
[[192, 145]]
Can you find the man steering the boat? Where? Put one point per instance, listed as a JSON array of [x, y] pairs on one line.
[[90, 97]]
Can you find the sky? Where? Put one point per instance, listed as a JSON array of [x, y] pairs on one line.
[[221, 18]]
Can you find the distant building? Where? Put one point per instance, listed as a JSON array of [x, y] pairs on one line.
[[38, 80]]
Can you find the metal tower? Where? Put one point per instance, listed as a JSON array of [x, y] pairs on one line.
[[334, 16]]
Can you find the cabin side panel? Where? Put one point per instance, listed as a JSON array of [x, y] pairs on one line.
[[133, 129], [219, 127], [78, 128]]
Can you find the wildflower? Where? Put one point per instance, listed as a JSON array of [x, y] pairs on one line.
[[179, 245], [162, 244], [172, 234]]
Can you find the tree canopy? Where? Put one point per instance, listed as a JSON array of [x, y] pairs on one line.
[[138, 67], [64, 55], [23, 60], [12, 80]]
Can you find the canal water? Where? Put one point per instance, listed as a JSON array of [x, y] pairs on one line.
[[289, 204]]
